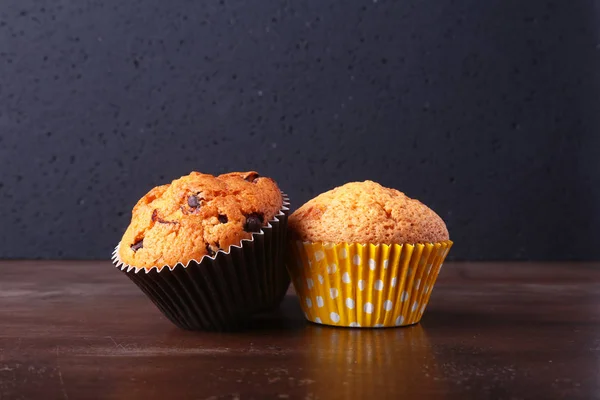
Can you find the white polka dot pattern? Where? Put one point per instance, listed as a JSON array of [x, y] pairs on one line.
[[404, 296], [335, 317], [387, 305], [320, 302], [349, 303], [372, 264], [364, 285]]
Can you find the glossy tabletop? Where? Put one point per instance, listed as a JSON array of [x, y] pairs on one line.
[[82, 330]]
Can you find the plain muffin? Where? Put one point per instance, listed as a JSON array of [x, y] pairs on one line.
[[365, 256], [366, 212]]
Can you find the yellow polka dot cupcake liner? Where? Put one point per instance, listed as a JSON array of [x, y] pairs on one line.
[[365, 285]]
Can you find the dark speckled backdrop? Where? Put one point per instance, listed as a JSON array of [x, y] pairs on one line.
[[488, 111]]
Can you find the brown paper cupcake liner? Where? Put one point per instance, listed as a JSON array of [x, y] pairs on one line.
[[224, 291]]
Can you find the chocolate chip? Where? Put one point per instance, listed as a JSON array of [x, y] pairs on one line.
[[137, 245], [193, 201], [211, 249], [253, 222], [155, 217], [223, 219], [252, 177]]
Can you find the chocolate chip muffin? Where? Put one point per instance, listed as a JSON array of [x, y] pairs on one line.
[[366, 212], [363, 255], [198, 215], [209, 250]]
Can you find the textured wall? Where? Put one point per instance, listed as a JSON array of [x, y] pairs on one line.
[[486, 111]]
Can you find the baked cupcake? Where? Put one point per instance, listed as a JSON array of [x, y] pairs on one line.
[[208, 250], [362, 255]]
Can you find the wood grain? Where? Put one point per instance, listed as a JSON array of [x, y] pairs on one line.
[[78, 330]]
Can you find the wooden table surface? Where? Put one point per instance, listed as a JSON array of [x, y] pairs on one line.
[[82, 330]]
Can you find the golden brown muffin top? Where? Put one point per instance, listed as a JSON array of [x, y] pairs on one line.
[[197, 215], [366, 212]]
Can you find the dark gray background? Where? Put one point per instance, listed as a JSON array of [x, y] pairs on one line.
[[488, 111]]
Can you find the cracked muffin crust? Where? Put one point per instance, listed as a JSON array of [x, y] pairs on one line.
[[196, 215], [366, 212]]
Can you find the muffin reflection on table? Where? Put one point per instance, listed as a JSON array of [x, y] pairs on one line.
[[358, 364], [362, 255]]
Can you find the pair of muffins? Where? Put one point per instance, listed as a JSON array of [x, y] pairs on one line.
[[209, 252]]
